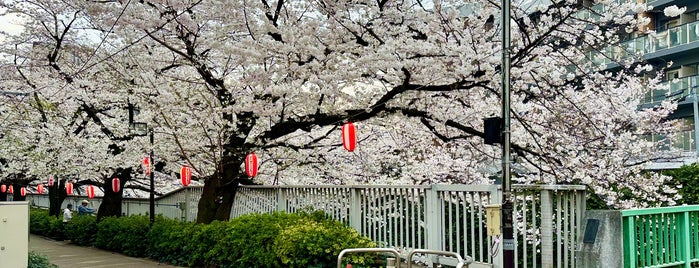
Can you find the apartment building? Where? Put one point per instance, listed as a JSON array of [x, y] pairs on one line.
[[670, 40]]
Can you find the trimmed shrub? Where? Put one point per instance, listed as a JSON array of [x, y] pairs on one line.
[[304, 239], [172, 241], [81, 230], [41, 223], [207, 239], [250, 240], [37, 260], [127, 235], [311, 243]]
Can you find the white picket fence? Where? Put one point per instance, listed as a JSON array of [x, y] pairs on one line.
[[437, 217]]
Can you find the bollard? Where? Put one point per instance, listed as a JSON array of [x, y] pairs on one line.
[[390, 262]]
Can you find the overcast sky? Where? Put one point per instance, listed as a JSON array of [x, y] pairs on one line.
[[9, 23]]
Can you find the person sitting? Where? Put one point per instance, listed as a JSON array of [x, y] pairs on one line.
[[84, 209]]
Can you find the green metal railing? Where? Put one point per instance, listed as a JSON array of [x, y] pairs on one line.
[[661, 237]]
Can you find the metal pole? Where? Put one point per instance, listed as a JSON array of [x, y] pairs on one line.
[[152, 183], [507, 221], [696, 121]]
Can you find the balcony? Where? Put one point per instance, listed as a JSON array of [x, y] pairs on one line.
[[683, 141], [652, 43], [678, 89]]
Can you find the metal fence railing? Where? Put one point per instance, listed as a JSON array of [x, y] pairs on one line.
[[438, 217], [661, 237]]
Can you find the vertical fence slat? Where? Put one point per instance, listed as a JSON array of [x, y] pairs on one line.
[[559, 244], [472, 211], [536, 231], [546, 229]]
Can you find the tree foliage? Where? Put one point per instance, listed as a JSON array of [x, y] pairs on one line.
[[686, 178], [216, 80]]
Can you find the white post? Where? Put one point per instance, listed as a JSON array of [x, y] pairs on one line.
[[433, 219], [281, 199], [355, 217], [546, 229]]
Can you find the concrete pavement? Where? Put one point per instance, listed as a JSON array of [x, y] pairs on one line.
[[66, 255]]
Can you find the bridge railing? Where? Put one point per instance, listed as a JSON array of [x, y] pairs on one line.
[[661, 237]]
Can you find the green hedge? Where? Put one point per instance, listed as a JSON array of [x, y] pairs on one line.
[[256, 240], [42, 224], [170, 241], [82, 230], [126, 235]]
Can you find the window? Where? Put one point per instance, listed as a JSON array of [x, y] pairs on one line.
[[672, 74]]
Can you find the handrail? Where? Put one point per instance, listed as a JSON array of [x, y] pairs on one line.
[[650, 211], [439, 252], [354, 250], [661, 237]]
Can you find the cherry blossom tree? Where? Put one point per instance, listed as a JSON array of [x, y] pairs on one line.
[[216, 80]]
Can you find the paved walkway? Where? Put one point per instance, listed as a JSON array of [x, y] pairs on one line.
[[66, 255]]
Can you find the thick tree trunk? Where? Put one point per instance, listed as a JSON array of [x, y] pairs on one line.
[[219, 190], [57, 193], [111, 202], [216, 201], [17, 195]]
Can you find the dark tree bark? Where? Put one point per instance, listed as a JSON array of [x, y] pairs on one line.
[[57, 193], [219, 191], [111, 202], [17, 194], [216, 202]]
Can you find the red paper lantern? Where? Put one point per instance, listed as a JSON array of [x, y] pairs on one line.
[[349, 137], [116, 185], [40, 188], [10, 189], [90, 191], [186, 175], [146, 165], [50, 182], [69, 188], [251, 164], [3, 188], [23, 191]]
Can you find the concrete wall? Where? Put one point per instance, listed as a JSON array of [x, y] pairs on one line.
[[607, 249], [14, 234]]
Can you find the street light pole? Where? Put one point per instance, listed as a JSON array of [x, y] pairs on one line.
[[506, 220], [152, 181]]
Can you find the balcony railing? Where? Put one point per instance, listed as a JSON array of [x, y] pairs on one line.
[[682, 140], [673, 37], [678, 89]]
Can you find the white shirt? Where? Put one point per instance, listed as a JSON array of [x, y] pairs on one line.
[[67, 215]]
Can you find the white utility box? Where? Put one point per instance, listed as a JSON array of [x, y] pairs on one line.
[[14, 234]]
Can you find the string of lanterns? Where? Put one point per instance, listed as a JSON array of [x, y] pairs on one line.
[[349, 143]]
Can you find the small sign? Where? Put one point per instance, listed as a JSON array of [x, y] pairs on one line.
[[591, 231], [508, 244]]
